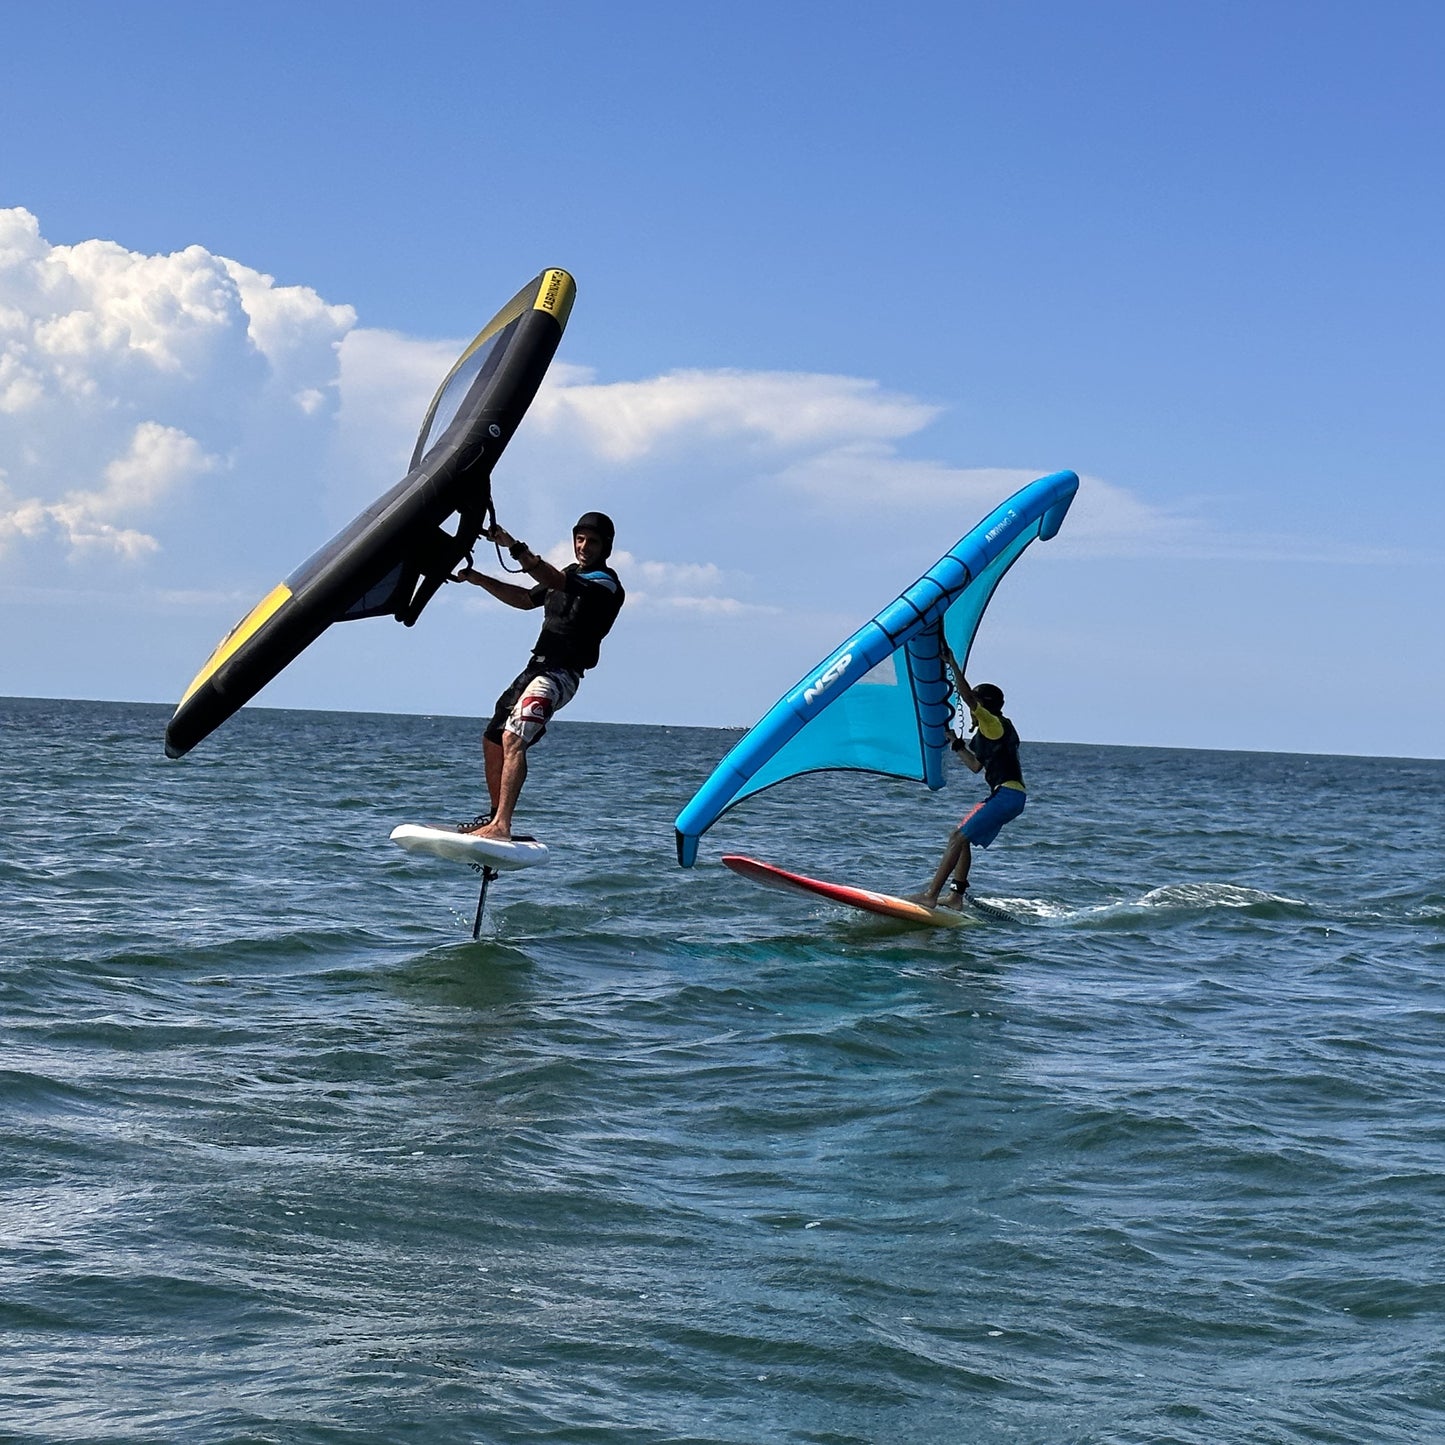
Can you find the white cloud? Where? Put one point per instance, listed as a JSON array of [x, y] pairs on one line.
[[158, 461], [1104, 519], [127, 379], [190, 429], [862, 473], [831, 442], [385, 383], [626, 420], [692, 579], [124, 377], [291, 326], [698, 587], [709, 606]]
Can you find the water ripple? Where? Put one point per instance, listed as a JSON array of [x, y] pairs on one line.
[[664, 1157]]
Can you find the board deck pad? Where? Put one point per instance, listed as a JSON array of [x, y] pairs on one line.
[[467, 848], [883, 904]]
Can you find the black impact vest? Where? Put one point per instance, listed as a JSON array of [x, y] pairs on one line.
[[999, 756], [577, 616]]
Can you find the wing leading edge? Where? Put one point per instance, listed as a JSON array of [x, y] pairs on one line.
[[394, 557]]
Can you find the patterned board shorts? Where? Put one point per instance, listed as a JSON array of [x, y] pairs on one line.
[[527, 706], [1002, 806]]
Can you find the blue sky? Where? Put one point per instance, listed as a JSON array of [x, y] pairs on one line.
[[849, 275]]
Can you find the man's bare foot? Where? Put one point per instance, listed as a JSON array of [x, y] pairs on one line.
[[923, 897], [496, 831], [951, 901]]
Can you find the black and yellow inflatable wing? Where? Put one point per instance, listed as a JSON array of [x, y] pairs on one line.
[[395, 556]]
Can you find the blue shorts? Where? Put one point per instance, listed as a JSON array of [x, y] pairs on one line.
[[1000, 807]]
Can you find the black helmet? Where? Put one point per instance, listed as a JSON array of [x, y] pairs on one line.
[[990, 695], [600, 524]]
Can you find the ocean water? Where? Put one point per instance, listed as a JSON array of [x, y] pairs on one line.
[[285, 1156]]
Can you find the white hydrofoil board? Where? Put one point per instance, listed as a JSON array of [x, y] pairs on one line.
[[468, 848]]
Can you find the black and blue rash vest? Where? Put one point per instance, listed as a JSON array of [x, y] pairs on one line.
[[579, 614], [999, 756]]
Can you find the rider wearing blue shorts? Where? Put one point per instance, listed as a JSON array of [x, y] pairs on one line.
[[992, 749]]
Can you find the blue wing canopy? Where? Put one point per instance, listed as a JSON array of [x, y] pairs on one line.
[[880, 702]]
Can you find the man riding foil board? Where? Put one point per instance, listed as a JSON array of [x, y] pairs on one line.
[[581, 602]]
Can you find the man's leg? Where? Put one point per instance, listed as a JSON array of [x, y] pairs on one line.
[[512, 773], [492, 753], [981, 826], [960, 872], [506, 763], [956, 854], [492, 765]]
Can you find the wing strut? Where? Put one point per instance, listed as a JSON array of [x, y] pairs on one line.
[[436, 559]]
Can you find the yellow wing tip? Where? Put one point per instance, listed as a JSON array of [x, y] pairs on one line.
[[556, 292], [237, 638]]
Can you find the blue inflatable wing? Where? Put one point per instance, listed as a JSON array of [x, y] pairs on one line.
[[880, 702]]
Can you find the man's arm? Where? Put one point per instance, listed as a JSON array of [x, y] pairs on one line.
[[961, 747], [539, 569], [987, 723], [507, 592], [965, 692]]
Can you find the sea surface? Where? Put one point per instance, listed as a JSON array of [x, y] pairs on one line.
[[285, 1156]]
